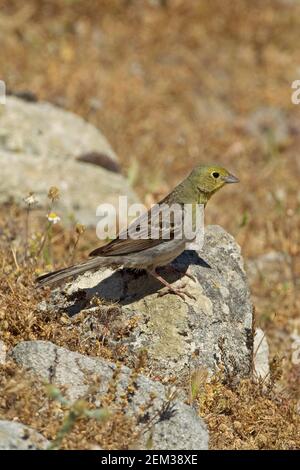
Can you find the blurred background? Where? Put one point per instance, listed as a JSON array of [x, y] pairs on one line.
[[175, 83]]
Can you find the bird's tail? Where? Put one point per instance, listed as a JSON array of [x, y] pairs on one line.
[[61, 274]]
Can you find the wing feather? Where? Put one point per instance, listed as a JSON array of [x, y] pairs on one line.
[[156, 226]]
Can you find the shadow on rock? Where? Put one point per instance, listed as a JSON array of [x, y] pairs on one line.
[[126, 286]]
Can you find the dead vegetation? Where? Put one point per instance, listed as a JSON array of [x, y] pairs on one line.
[[249, 417]]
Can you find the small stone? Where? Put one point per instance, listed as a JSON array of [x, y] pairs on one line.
[[261, 355]]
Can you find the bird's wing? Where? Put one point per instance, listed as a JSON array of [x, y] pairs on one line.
[[156, 226]]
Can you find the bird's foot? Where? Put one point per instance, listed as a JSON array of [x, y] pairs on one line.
[[176, 291], [170, 289]]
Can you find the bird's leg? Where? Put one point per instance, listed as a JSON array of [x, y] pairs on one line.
[[172, 268], [171, 289]]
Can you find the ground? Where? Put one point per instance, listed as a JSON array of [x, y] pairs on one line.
[[172, 84]]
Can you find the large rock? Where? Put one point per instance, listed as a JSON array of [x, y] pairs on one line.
[[17, 436], [178, 336], [42, 146], [175, 427]]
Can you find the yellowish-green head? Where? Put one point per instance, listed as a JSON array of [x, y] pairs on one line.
[[209, 179]]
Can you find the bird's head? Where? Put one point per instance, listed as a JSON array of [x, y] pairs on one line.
[[209, 179]]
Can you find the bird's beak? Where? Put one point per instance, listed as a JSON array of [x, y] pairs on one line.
[[230, 179]]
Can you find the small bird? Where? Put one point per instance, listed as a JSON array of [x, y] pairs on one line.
[[144, 252]]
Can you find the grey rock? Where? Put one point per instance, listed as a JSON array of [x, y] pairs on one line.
[[3, 350], [179, 429], [178, 336], [39, 147], [295, 339], [17, 436]]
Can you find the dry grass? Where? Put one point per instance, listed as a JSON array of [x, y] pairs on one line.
[[249, 417], [26, 399], [171, 86]]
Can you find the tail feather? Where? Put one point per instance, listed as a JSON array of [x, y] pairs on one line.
[[61, 274]]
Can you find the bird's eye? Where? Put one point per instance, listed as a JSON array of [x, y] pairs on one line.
[[216, 174]]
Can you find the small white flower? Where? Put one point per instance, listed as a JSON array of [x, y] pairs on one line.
[[53, 218], [31, 199]]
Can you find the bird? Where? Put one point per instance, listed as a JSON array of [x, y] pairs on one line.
[[144, 251]]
